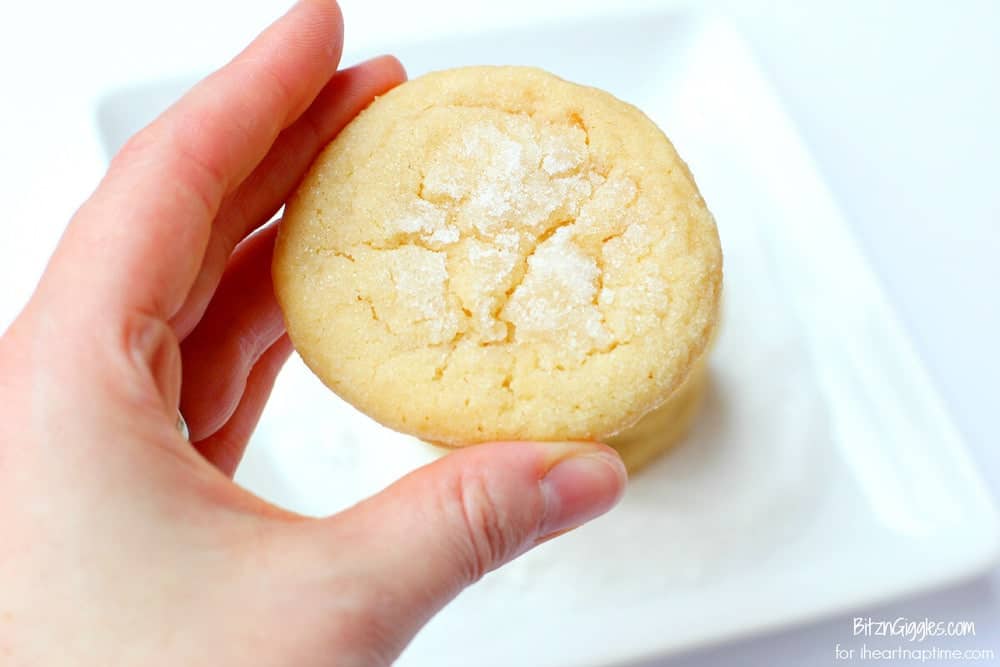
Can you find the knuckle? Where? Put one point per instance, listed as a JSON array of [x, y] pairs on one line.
[[145, 150], [152, 351], [145, 337], [489, 535], [133, 149]]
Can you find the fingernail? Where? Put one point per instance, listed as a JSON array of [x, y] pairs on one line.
[[580, 487]]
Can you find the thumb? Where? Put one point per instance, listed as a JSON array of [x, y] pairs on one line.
[[417, 544]]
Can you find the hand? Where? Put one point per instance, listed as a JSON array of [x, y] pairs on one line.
[[121, 542]]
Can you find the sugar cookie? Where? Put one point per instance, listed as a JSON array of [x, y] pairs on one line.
[[493, 253], [665, 427]]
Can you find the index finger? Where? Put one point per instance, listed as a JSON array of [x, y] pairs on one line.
[[143, 232]]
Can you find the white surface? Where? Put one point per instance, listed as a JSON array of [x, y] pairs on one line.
[[819, 422], [898, 102]]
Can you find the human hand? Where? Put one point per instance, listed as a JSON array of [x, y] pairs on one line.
[[123, 543]]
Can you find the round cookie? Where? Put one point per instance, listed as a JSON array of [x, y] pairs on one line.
[[664, 427], [493, 253]]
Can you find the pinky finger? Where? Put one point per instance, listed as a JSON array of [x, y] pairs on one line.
[[224, 448]]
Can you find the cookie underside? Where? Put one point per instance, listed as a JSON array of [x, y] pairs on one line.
[[664, 428]]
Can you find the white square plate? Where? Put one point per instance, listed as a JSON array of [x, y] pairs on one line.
[[823, 474]]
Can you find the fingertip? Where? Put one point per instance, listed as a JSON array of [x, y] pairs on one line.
[[581, 487], [552, 452], [336, 29], [327, 24], [385, 68], [393, 65], [615, 459]]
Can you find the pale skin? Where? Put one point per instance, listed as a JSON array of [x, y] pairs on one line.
[[121, 542]]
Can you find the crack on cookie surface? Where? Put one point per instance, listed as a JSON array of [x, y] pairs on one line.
[[507, 204], [501, 202]]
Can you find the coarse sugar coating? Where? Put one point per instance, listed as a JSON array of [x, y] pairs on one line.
[[493, 253]]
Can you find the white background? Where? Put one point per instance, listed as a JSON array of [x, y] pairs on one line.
[[899, 102]]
